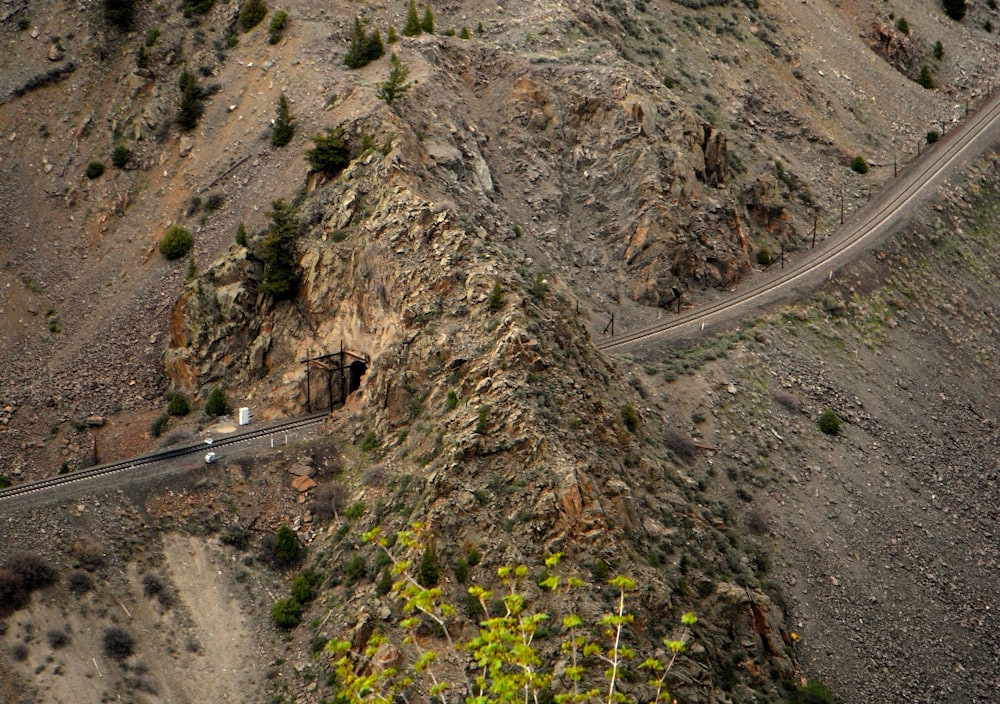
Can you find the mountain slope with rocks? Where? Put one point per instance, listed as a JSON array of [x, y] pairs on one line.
[[565, 163]]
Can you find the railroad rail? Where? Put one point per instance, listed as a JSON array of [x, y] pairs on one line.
[[867, 227], [164, 455]]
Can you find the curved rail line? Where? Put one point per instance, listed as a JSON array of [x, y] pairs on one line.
[[152, 458], [863, 229]]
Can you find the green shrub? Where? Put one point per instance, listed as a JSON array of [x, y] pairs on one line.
[[926, 80], [464, 34], [812, 692], [305, 585], [176, 242], [355, 569], [452, 401], [119, 644], [828, 422], [159, 425], [283, 129], [120, 13], [178, 405], [482, 423], [197, 7], [355, 510], [251, 14], [391, 37], [152, 35], [4, 481], [286, 546], [630, 417], [461, 569], [121, 156], [427, 23], [235, 536], [216, 404], [142, 58], [956, 9], [903, 26], [287, 613], [369, 442], [938, 50], [765, 255], [364, 47], [241, 235], [330, 154], [384, 584], [277, 27], [933, 136], [95, 169], [988, 26], [859, 165]]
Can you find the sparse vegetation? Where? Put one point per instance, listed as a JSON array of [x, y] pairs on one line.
[[630, 418], [178, 405], [305, 585], [933, 136], [925, 79], [277, 27], [412, 27], [120, 13], [451, 403], [176, 242], [955, 9], [427, 23], [429, 572], [859, 165], [159, 424], [903, 26], [495, 300], [191, 104], [938, 50], [364, 47]]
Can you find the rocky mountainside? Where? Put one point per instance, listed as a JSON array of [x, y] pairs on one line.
[[565, 163]]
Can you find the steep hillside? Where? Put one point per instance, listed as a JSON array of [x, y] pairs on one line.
[[565, 163]]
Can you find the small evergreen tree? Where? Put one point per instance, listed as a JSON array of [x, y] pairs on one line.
[[95, 169], [286, 546], [494, 301], [829, 423], [464, 34], [395, 84], [357, 51], [938, 50], [277, 27], [926, 79], [903, 26], [330, 154], [392, 37], [283, 129], [121, 156], [241, 236], [178, 405], [427, 23], [142, 58], [191, 107], [374, 49], [412, 27], [278, 252]]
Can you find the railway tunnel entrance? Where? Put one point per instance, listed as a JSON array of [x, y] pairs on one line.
[[331, 377]]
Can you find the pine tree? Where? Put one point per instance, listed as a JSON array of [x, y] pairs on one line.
[[359, 46], [412, 27], [395, 85], [392, 37], [373, 47], [427, 24], [190, 108], [283, 129]]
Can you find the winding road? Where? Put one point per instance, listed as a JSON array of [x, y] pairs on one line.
[[866, 228]]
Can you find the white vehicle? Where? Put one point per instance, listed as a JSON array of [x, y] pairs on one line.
[[210, 458]]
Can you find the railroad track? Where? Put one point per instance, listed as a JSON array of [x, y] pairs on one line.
[[867, 227], [170, 453]]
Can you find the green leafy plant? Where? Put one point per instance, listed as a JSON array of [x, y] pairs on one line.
[[452, 401], [395, 84], [483, 420], [859, 165], [251, 14], [216, 404], [176, 242], [938, 50], [933, 136], [370, 441], [159, 424], [241, 235], [464, 34], [329, 154], [829, 422], [305, 585], [282, 130], [903, 26], [95, 169], [630, 418], [4, 481], [391, 37]]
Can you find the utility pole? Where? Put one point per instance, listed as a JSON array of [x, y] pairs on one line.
[[841, 205], [815, 223], [308, 394], [894, 162]]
